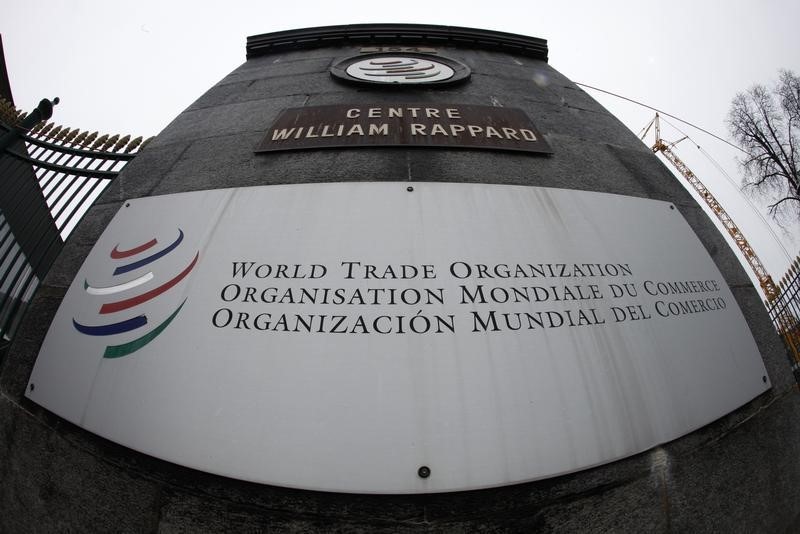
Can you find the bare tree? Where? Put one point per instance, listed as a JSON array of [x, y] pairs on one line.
[[766, 124]]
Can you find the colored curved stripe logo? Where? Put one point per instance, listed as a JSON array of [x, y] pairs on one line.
[[110, 290], [123, 302], [120, 305], [150, 259], [119, 254], [117, 351]]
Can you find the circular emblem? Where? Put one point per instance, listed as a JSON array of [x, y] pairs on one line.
[[392, 69]]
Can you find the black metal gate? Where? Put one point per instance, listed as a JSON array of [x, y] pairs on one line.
[[785, 313], [50, 176]]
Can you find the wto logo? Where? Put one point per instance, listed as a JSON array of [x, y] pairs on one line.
[[400, 69], [127, 262]]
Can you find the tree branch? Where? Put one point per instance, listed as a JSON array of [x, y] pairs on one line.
[[765, 123]]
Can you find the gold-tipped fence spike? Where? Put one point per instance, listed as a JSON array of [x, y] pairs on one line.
[[6, 109], [9, 117], [133, 144], [46, 129], [72, 135], [87, 143], [37, 130], [145, 142], [54, 132], [99, 142], [8, 113], [80, 139], [63, 133], [121, 143], [109, 143]]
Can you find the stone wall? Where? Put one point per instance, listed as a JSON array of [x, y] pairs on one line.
[[737, 474]]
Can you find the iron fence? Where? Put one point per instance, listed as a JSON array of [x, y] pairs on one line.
[[785, 313], [50, 177]]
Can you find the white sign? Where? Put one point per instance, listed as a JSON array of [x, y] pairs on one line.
[[379, 338]]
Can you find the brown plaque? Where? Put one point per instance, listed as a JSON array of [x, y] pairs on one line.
[[440, 125]]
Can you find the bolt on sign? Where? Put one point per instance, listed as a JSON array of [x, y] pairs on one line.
[[432, 125]]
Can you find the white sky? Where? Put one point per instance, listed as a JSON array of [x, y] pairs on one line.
[[131, 67]]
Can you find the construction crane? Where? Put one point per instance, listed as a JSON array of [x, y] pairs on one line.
[[768, 286]]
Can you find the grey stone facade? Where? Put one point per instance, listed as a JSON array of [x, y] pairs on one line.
[[738, 474]]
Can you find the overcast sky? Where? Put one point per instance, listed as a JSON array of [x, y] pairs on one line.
[[131, 67]]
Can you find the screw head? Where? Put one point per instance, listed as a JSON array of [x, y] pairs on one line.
[[409, 189], [764, 379], [424, 471]]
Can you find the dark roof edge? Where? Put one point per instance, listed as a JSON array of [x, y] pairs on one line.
[[411, 34]]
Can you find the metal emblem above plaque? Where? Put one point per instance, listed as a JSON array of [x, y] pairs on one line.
[[400, 68]]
